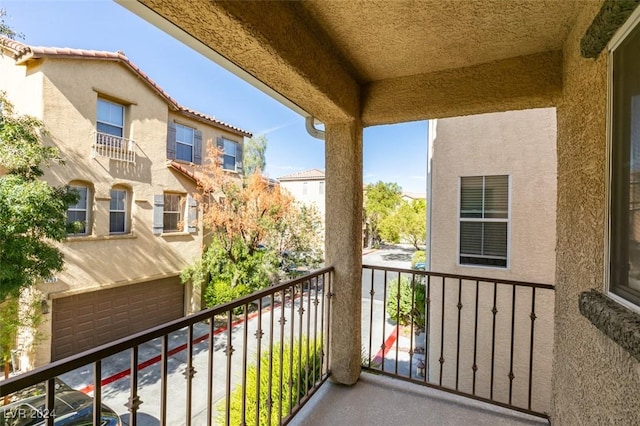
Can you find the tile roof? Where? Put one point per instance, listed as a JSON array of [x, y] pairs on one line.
[[311, 174], [23, 53], [185, 171]]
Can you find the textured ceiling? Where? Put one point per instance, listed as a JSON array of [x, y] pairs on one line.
[[389, 39]]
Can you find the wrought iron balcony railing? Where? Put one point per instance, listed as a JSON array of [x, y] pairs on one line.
[[114, 147], [255, 360], [482, 338]]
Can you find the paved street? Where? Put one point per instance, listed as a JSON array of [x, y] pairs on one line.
[[116, 392]]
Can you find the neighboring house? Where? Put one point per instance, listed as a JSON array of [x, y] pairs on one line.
[[493, 199], [130, 151], [307, 187], [413, 196]]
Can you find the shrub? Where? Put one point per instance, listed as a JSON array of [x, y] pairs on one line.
[[410, 301], [283, 396]]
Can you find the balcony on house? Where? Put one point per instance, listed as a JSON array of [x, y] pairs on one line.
[[114, 147], [437, 348]]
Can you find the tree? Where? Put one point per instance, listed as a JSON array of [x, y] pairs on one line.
[[32, 218], [407, 223], [254, 160], [251, 223], [380, 200], [6, 30]]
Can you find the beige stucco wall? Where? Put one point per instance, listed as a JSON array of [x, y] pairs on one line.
[[520, 144], [595, 380]]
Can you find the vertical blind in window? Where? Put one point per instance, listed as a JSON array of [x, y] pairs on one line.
[[484, 216]]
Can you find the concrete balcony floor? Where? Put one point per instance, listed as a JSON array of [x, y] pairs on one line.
[[380, 400]]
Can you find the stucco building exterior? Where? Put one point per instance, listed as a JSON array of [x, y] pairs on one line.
[[130, 151], [351, 65], [493, 199], [355, 64], [307, 187]]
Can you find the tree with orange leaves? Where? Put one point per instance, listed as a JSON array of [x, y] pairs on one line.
[[246, 220]]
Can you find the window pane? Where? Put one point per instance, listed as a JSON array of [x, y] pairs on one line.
[[82, 201], [78, 216], [184, 134], [471, 196], [471, 238], [625, 179], [495, 239], [117, 222], [117, 199], [496, 197], [109, 129], [229, 163], [184, 152], [229, 148]]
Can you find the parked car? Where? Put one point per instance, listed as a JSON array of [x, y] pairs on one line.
[[420, 266], [71, 408]]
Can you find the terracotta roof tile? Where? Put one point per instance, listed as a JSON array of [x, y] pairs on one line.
[[23, 53], [311, 174]]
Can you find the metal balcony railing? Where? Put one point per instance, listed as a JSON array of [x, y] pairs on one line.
[[482, 338], [255, 360], [114, 147]]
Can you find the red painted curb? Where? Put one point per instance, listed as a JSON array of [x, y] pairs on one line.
[[155, 359], [387, 346]]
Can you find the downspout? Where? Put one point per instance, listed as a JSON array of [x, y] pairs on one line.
[[310, 124], [431, 136]]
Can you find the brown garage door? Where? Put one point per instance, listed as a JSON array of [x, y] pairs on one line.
[[87, 320]]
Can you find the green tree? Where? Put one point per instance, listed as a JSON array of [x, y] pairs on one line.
[[407, 223], [5, 29], [380, 200], [254, 159], [32, 218]]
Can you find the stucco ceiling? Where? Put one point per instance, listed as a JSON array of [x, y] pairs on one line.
[[382, 61], [390, 39]]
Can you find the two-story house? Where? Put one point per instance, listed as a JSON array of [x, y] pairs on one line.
[[130, 151]]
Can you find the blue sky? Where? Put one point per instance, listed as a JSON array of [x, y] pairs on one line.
[[395, 153]]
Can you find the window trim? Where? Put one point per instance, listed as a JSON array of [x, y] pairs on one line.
[[87, 210], [125, 211], [507, 267], [618, 38], [179, 142]]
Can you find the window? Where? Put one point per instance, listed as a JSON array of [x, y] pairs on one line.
[[230, 151], [184, 143], [305, 188], [321, 188], [172, 214], [484, 220], [78, 214], [118, 212], [624, 211], [110, 119]]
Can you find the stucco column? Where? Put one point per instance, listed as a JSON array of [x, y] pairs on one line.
[[343, 242]]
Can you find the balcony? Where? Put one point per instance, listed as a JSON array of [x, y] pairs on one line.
[[114, 147], [462, 348]]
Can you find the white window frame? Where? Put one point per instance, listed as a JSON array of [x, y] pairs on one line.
[[623, 32], [459, 219], [180, 212], [305, 188], [124, 211], [185, 143], [321, 187], [86, 210], [225, 154]]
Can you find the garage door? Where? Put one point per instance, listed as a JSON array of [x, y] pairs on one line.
[[87, 320]]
